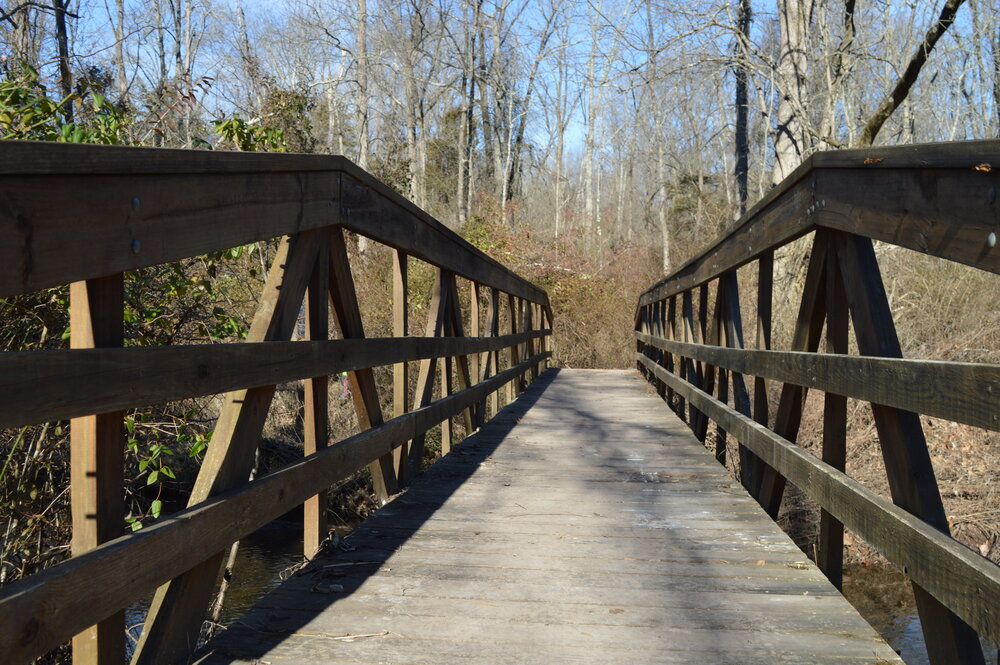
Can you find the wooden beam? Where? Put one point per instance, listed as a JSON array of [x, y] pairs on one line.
[[400, 371], [133, 221], [946, 213], [316, 417], [424, 394], [364, 390], [97, 459], [39, 613], [957, 391], [41, 386], [904, 449], [178, 608], [971, 585], [733, 326], [830, 555], [376, 211], [806, 336]]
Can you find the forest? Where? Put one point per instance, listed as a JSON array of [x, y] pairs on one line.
[[591, 146]]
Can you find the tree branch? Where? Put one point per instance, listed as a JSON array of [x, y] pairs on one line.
[[911, 73]]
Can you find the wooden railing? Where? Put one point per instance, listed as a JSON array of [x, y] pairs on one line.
[[936, 199], [82, 215]]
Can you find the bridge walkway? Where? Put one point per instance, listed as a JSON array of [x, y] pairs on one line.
[[584, 524]]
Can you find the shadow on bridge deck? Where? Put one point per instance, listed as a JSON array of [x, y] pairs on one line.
[[584, 524]]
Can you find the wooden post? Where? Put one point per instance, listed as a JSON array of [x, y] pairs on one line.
[[515, 351], [904, 449], [676, 401], [316, 417], [97, 458], [690, 368], [808, 329], [830, 557], [765, 303], [424, 394], [364, 391], [492, 365], [475, 330], [734, 339], [178, 608], [400, 371]]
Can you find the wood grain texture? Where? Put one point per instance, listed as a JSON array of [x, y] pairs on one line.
[[929, 198], [371, 209], [39, 386], [962, 392], [971, 587], [640, 549], [97, 458], [39, 613]]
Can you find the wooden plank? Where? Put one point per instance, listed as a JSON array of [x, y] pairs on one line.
[[364, 390], [956, 391], [765, 305], [972, 585], [170, 205], [40, 386], [904, 449], [178, 607], [805, 337], [132, 221], [777, 220], [942, 212], [931, 198], [97, 459], [316, 417], [830, 554], [424, 393], [374, 210], [39, 613], [487, 564], [400, 371]]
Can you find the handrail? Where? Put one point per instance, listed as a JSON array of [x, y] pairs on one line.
[[85, 214], [138, 207], [938, 199]]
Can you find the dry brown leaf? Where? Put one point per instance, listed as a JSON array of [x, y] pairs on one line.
[[760, 562], [984, 548], [983, 168], [873, 160]]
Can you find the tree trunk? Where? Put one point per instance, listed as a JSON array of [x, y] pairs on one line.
[[910, 74], [361, 100], [62, 43], [790, 144], [742, 170], [121, 78]]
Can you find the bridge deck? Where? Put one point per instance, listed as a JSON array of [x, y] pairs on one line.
[[585, 524]]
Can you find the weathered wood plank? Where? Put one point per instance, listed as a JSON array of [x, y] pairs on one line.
[[65, 384], [971, 587], [962, 392], [97, 459], [39, 613], [493, 558]]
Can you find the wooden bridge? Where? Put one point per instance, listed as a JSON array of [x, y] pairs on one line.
[[582, 520]]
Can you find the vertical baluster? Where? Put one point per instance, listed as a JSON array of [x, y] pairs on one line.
[[830, 557], [97, 446], [400, 371], [316, 417]]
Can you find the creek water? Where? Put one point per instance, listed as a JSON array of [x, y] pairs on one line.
[[881, 594], [883, 597]]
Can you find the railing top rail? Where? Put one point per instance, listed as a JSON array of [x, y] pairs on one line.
[[915, 196], [120, 208]]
